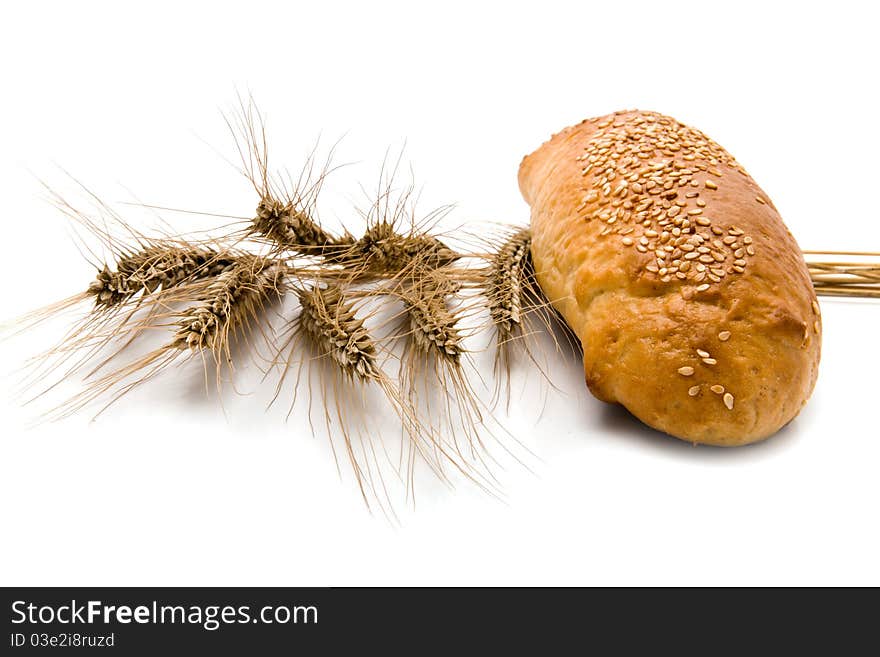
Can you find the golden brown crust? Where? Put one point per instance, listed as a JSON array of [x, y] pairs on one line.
[[690, 296]]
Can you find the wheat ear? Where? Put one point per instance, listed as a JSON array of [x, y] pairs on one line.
[[432, 374], [333, 328], [519, 313], [395, 244], [158, 266], [127, 300], [231, 301], [224, 309], [331, 343], [292, 229], [286, 215]]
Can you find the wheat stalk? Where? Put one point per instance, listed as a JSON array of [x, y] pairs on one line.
[[857, 275]]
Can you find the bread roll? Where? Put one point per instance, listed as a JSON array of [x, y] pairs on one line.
[[690, 297]]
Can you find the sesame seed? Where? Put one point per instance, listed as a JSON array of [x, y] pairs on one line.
[[728, 401], [703, 287], [750, 250], [702, 353], [816, 308], [724, 336], [760, 200], [621, 158], [687, 370], [693, 391], [717, 389], [710, 361], [628, 241]]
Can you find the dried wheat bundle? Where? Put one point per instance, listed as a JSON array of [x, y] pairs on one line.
[[208, 294]]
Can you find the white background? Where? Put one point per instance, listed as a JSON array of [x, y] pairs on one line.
[[164, 489]]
